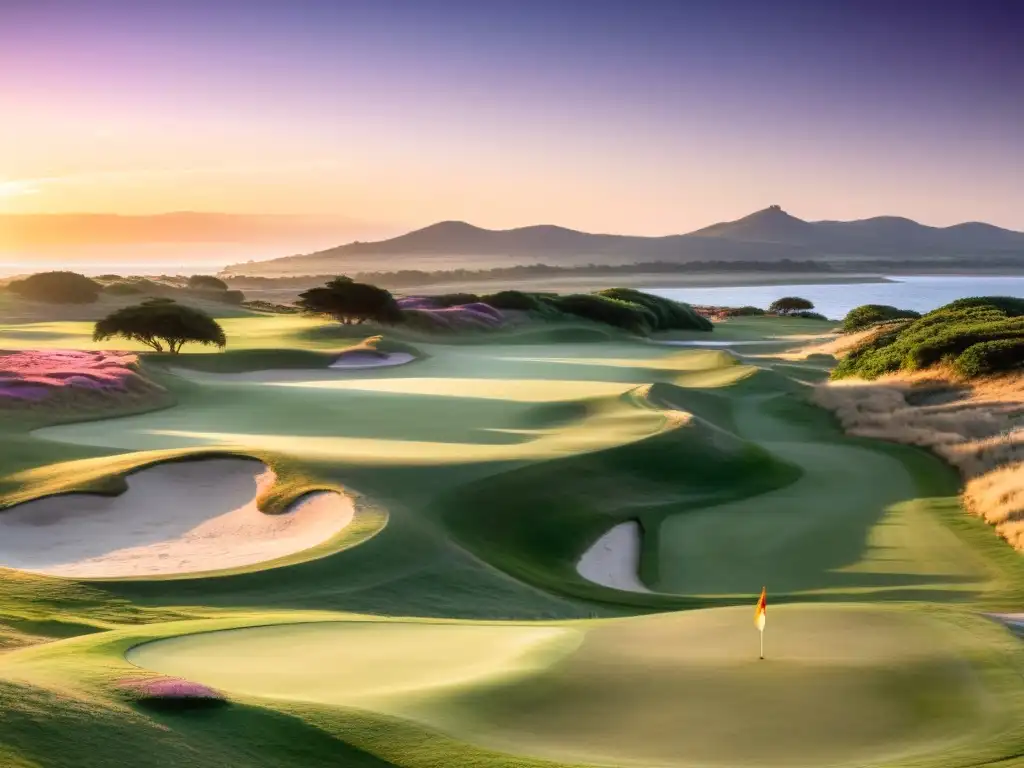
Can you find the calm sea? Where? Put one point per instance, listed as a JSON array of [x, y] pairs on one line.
[[919, 292]]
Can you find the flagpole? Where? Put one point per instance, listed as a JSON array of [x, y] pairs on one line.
[[762, 644]]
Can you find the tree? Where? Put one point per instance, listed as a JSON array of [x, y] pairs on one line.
[[788, 304], [57, 288], [349, 302], [207, 283], [160, 324]]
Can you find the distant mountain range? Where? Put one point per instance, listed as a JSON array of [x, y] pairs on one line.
[[767, 235]]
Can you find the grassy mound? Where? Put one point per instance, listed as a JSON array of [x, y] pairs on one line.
[[945, 335], [536, 521]]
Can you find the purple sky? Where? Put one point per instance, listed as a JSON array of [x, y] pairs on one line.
[[642, 117]]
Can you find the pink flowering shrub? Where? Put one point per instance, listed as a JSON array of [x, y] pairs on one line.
[[425, 314], [171, 693], [37, 375]]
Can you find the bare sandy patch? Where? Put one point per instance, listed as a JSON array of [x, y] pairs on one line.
[[977, 427], [614, 559], [175, 518], [836, 345]]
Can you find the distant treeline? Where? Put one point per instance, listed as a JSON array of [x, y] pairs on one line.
[[1009, 264], [414, 277]]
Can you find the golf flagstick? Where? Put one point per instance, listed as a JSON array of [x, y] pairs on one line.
[[759, 616]]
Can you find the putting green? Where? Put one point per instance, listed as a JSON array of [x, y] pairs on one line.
[[840, 685]]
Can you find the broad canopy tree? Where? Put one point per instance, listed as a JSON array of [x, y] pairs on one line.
[[350, 302], [161, 324], [788, 304]]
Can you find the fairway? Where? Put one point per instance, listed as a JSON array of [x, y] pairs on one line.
[[851, 522], [674, 689]]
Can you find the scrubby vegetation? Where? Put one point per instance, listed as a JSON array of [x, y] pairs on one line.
[[160, 324], [631, 317], [207, 283], [807, 315], [975, 336], [269, 306], [122, 288], [859, 318], [669, 315], [744, 311], [57, 288]]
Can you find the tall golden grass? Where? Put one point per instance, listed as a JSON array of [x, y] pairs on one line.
[[978, 427]]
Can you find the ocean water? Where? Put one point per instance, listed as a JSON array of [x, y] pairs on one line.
[[918, 292]]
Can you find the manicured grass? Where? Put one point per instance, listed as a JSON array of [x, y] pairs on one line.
[[485, 469], [838, 683]]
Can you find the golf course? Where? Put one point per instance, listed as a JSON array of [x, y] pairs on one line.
[[538, 546]]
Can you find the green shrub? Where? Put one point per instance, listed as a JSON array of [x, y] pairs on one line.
[[669, 315], [604, 309], [808, 315], [1010, 305], [945, 335], [990, 357], [866, 315], [57, 288], [454, 299], [122, 289], [744, 311], [513, 300], [207, 283]]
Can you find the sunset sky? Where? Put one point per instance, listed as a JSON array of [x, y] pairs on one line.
[[638, 117]]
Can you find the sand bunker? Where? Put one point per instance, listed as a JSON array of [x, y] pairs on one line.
[[614, 559], [179, 517], [368, 359]]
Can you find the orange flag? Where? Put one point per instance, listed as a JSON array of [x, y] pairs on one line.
[[762, 607]]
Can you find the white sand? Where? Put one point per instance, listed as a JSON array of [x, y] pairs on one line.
[[179, 517], [614, 559], [369, 360]]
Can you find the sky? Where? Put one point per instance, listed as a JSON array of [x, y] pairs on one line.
[[635, 117]]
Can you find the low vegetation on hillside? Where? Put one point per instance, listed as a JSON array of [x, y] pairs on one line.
[[866, 315], [973, 337], [352, 303], [65, 287], [56, 288]]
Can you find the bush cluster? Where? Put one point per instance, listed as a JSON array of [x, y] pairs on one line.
[[976, 336], [866, 315], [57, 288], [668, 315]]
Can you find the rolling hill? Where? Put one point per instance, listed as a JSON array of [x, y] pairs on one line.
[[768, 235]]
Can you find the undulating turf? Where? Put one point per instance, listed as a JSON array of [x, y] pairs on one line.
[[454, 629]]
